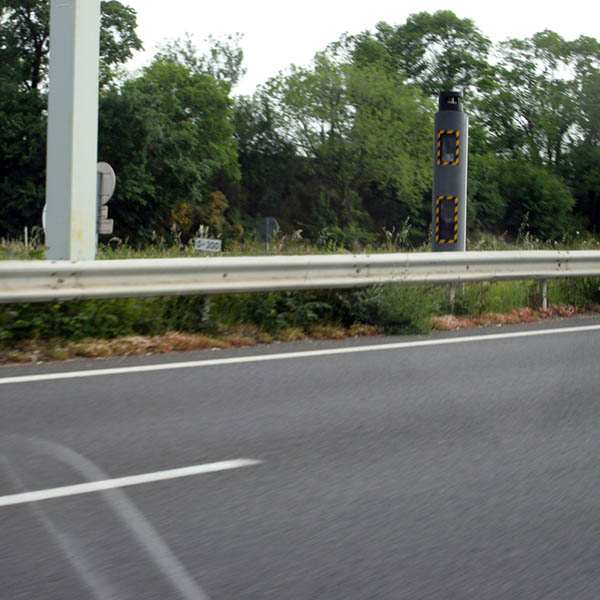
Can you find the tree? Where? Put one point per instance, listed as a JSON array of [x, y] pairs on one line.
[[167, 133], [223, 61], [486, 204], [542, 102], [274, 176], [25, 38], [22, 158], [24, 41], [582, 164], [118, 37], [508, 195], [436, 51], [583, 176], [535, 195], [588, 113], [358, 126]]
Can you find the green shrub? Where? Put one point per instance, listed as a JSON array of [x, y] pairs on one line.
[[580, 292], [273, 311], [109, 318], [474, 299], [406, 309], [394, 308]]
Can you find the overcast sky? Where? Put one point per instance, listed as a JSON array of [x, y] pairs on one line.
[[279, 33]]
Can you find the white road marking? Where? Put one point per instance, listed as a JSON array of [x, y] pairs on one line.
[[291, 355], [109, 484]]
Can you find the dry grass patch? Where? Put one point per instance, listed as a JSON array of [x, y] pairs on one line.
[[245, 335], [514, 317], [362, 329], [15, 356], [566, 311], [239, 340], [92, 349], [327, 332], [134, 345], [291, 334], [177, 341], [57, 353], [264, 338], [445, 323]]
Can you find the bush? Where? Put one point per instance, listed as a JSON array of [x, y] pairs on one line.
[[106, 319], [406, 309], [485, 297], [503, 194], [394, 308], [578, 292], [273, 311]]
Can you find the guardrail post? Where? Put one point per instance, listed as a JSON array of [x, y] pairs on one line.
[[206, 310], [544, 293], [452, 296]]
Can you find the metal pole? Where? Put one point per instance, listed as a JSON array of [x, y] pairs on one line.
[[72, 129]]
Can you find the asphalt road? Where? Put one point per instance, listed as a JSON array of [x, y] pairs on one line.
[[451, 470]]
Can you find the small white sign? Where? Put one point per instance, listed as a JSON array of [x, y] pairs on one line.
[[105, 226], [208, 245], [107, 182]]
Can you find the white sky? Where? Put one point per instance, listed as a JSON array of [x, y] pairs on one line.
[[278, 33]]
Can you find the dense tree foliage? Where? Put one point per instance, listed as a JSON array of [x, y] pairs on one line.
[[275, 180], [438, 52], [167, 133], [358, 126], [340, 149], [22, 157]]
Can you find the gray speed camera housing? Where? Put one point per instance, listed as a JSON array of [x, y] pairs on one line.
[[451, 143]]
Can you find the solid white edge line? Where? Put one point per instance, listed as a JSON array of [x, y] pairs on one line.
[[291, 355], [109, 484]]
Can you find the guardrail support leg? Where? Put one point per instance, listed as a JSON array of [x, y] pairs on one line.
[[544, 293], [452, 296], [206, 310]]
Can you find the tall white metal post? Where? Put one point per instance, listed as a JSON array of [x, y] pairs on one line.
[[72, 129]]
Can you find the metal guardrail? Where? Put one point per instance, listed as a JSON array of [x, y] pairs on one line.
[[37, 281]]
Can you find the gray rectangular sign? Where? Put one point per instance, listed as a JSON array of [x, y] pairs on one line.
[[208, 245], [105, 226]]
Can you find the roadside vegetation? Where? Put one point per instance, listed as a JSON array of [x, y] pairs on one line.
[[138, 326], [339, 151]]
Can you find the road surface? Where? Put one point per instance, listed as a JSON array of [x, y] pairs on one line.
[[456, 466]]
